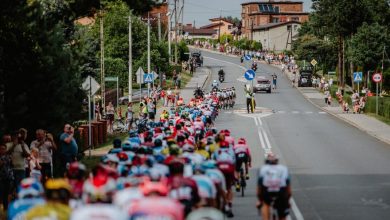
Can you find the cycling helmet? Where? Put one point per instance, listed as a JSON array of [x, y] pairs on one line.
[[158, 143], [126, 146], [241, 141], [206, 213], [188, 148], [271, 159], [30, 188], [215, 81], [76, 170], [117, 143], [58, 189], [223, 144], [122, 156], [99, 189]]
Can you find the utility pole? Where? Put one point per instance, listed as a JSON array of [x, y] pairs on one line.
[[176, 31], [219, 26], [130, 62], [102, 82], [159, 26], [383, 57], [149, 69]]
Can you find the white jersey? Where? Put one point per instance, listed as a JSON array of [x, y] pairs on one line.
[[98, 211], [274, 177], [206, 187]]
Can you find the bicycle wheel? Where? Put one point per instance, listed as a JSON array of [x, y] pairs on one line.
[[118, 125]]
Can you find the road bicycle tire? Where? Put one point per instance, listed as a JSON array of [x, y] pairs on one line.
[[118, 126]]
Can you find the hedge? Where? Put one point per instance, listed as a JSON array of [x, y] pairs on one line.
[[383, 106]]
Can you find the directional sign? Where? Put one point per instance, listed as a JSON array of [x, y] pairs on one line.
[[90, 83], [313, 62], [148, 78], [249, 75], [377, 77], [357, 76], [140, 73], [247, 57], [111, 79], [155, 75]]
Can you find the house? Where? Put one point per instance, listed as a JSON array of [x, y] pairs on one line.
[[258, 13], [220, 25], [192, 32], [276, 36]]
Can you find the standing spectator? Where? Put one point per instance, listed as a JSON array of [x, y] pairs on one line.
[[6, 175], [179, 80], [163, 97], [110, 110], [19, 152], [151, 108], [164, 79], [176, 94], [98, 115], [34, 166], [68, 147], [326, 94], [45, 144], [169, 96], [129, 115], [174, 77]]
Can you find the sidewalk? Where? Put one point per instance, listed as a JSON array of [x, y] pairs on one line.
[[200, 78], [368, 124]]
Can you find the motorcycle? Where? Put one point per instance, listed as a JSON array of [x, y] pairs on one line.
[[242, 59], [221, 78], [254, 67]]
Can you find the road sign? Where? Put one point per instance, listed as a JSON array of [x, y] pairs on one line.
[[140, 73], [90, 83], [155, 75], [247, 57], [313, 62], [332, 73], [377, 77], [249, 75], [111, 79], [357, 76], [148, 78]]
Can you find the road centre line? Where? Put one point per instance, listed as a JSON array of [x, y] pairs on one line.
[[256, 121], [295, 209], [260, 122], [261, 139], [266, 139]]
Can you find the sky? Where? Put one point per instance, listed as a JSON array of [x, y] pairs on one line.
[[202, 10]]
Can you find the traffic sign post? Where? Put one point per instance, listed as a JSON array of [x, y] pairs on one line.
[[377, 78], [358, 77], [250, 75], [247, 57]]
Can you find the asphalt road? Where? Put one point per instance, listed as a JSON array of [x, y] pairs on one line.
[[338, 171]]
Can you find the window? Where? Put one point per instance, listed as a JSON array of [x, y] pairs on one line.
[[275, 20], [268, 8], [230, 27], [295, 18], [276, 9]]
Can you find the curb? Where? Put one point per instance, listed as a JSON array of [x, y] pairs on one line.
[[208, 78]]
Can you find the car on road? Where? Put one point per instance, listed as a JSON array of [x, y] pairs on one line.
[[305, 78], [124, 100], [198, 58], [263, 84]]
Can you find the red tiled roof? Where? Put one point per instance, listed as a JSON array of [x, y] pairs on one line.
[[221, 19], [274, 25], [210, 26]]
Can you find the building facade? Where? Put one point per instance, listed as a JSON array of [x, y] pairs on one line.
[[276, 36], [258, 13], [220, 25]]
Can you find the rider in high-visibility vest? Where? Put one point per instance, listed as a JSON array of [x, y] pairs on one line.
[[250, 100]]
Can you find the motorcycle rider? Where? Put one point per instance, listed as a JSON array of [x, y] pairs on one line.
[[254, 66], [221, 75]]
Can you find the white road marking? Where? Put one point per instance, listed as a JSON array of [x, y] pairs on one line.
[[260, 122], [281, 112], [256, 121], [308, 112], [321, 112], [294, 206], [295, 112], [261, 139], [266, 139], [295, 209]]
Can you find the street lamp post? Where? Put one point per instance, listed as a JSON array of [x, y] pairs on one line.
[[149, 69]]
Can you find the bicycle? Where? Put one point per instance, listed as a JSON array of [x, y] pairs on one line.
[[242, 182], [120, 125]]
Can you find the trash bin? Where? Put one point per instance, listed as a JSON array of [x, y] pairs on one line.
[[100, 128], [104, 130]]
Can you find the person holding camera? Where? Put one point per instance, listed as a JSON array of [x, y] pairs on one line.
[[45, 144], [19, 152], [68, 147]]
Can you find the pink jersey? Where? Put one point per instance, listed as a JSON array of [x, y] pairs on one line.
[[156, 207], [241, 148], [230, 140]]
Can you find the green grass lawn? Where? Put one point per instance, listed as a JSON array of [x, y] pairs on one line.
[[380, 118]]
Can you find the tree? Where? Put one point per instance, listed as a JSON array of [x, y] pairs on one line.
[[367, 45]]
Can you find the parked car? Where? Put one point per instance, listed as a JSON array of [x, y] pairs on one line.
[[263, 84], [198, 58], [124, 100]]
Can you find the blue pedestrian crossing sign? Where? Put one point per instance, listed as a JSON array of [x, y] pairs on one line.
[[247, 57], [249, 75], [148, 77], [357, 76]]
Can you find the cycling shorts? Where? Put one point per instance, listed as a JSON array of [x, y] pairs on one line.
[[240, 159], [281, 200], [227, 169]]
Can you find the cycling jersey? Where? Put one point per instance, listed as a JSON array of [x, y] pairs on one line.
[[127, 196], [49, 210], [241, 148], [98, 211], [206, 187], [18, 208], [156, 208], [184, 190], [217, 177], [274, 177]]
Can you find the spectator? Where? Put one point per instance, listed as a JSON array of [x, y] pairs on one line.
[[163, 97], [110, 110], [45, 144], [34, 166], [129, 115], [327, 94], [6, 175], [151, 108], [169, 96], [19, 152], [68, 147], [98, 115]]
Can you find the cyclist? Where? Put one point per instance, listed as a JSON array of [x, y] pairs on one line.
[[214, 85], [274, 79], [58, 193], [206, 188], [243, 156], [30, 194], [273, 187]]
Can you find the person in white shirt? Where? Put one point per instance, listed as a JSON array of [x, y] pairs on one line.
[[45, 145]]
